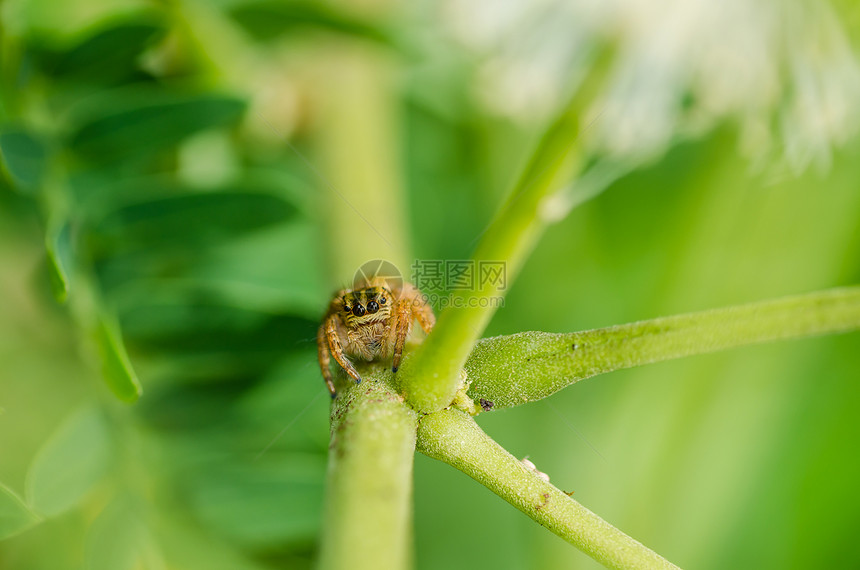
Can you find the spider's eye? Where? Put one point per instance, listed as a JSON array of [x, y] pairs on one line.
[[358, 310], [372, 307], [382, 300]]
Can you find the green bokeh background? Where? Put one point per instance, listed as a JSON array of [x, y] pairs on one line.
[[140, 137]]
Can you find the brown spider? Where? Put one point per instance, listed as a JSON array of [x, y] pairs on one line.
[[369, 323]]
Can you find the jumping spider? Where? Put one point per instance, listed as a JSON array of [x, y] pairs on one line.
[[370, 322]]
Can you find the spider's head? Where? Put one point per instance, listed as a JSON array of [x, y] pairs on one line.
[[368, 305]]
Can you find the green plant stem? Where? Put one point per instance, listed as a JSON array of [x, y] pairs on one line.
[[453, 437], [367, 520], [524, 367], [368, 514], [358, 140], [430, 378]]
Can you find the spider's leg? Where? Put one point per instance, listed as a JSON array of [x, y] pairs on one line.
[[337, 348], [324, 356], [423, 312], [403, 323]]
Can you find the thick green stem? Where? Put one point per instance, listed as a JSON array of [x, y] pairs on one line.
[[368, 515], [511, 370], [358, 139], [431, 377], [454, 437], [367, 520]]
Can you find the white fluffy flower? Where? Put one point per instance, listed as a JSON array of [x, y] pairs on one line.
[[782, 70]]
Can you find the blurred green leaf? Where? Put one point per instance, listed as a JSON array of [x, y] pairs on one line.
[[116, 367], [69, 464], [15, 517], [99, 191], [151, 123], [188, 547], [205, 326], [108, 54], [58, 248], [268, 501], [50, 21], [105, 55], [294, 284], [119, 540], [232, 272], [191, 220], [25, 158], [271, 19], [289, 408]]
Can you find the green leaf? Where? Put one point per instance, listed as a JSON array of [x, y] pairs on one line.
[[191, 220], [268, 20], [99, 190], [58, 248], [24, 157], [116, 367], [69, 464], [263, 502], [15, 517], [252, 340], [511, 370], [149, 124], [108, 54], [119, 540]]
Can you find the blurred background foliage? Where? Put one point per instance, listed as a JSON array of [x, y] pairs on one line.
[[155, 184]]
